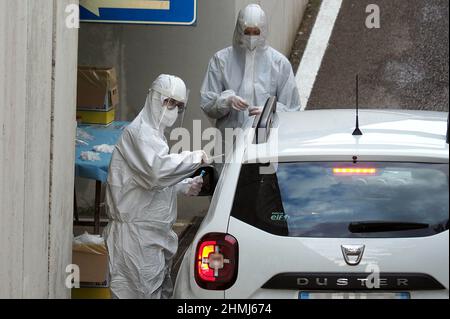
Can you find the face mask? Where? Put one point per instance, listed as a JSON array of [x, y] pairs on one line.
[[251, 41], [169, 117]]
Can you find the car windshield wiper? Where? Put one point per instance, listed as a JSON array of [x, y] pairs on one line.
[[383, 226]]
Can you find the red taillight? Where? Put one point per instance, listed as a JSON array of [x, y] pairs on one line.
[[216, 262]]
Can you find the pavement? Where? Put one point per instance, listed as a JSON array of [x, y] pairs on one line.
[[402, 65]]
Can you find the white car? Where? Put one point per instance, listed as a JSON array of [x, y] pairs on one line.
[[334, 216]]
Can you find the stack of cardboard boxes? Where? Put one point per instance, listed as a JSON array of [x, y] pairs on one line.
[[97, 95], [97, 99]]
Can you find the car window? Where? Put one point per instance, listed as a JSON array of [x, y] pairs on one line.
[[322, 199]]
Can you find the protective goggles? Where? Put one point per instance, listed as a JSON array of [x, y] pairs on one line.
[[172, 104], [252, 31]]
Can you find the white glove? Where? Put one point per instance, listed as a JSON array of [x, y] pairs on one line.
[[255, 110], [192, 186], [237, 103]]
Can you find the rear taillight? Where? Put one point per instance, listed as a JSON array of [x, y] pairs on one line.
[[216, 262]]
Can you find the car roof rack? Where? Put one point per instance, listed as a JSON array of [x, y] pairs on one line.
[[263, 123]]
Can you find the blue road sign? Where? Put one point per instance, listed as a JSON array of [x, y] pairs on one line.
[[175, 12]]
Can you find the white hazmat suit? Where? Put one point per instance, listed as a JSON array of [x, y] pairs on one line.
[[249, 69], [141, 198]]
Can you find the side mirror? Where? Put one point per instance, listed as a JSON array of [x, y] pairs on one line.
[[209, 180]]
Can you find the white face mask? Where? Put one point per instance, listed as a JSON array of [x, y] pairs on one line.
[[251, 41], [169, 117]]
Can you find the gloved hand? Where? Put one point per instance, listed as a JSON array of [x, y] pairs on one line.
[[190, 186], [237, 103], [194, 186], [205, 159], [254, 110]]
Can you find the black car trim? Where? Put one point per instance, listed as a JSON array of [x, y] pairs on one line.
[[352, 281]]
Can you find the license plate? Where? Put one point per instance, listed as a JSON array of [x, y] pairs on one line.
[[354, 295]]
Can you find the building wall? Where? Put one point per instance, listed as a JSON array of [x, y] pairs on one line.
[[62, 164], [141, 52], [37, 109]]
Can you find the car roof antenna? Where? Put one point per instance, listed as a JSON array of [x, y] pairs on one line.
[[357, 131]]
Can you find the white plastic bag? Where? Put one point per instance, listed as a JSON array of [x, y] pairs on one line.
[[87, 238], [104, 148], [90, 156]]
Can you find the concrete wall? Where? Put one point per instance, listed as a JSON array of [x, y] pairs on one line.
[[65, 60], [37, 109], [142, 52]]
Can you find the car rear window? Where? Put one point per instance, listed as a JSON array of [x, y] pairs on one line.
[[322, 199]]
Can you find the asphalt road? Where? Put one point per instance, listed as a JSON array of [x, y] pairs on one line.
[[402, 65]]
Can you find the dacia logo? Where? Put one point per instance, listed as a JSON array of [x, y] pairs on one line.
[[352, 254]]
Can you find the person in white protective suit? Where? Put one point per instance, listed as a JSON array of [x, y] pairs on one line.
[[241, 78], [141, 196]]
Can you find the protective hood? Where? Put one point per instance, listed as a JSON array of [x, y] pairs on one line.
[[153, 113], [254, 17]]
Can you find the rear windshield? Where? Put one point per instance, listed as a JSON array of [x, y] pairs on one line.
[[323, 199]]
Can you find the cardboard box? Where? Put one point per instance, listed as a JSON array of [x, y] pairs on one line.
[[91, 293], [96, 116], [93, 262], [97, 88]]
